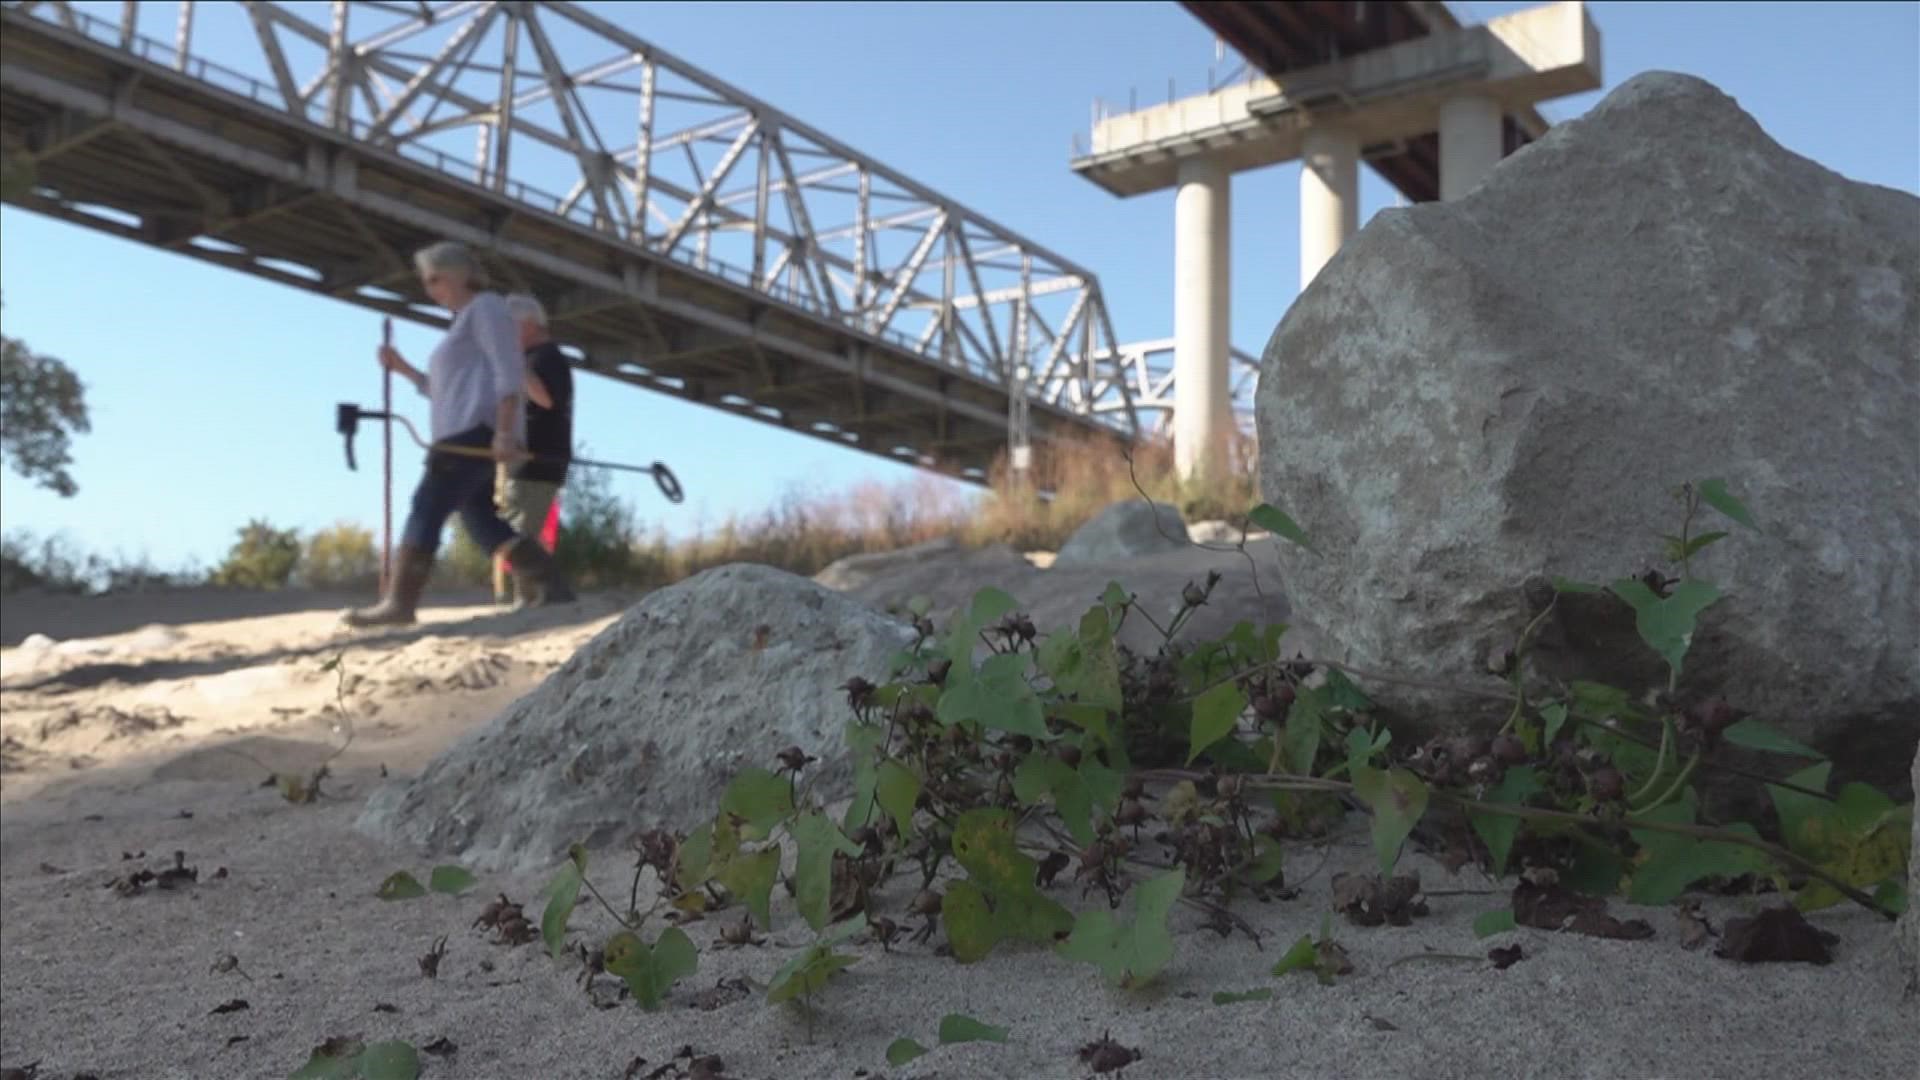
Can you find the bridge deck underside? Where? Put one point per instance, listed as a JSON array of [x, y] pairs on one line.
[[217, 167]]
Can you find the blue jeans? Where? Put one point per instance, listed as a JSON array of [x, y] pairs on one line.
[[456, 483]]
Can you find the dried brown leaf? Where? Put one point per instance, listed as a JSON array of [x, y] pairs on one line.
[[1776, 935]]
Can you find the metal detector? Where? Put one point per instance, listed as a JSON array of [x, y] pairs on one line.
[[347, 417]]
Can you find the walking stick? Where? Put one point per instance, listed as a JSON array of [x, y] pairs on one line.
[[386, 506]]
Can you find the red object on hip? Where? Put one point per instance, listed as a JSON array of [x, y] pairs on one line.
[[549, 533]]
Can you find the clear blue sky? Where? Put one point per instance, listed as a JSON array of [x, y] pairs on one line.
[[212, 392]]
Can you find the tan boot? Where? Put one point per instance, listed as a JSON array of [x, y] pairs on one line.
[[537, 579], [410, 571]]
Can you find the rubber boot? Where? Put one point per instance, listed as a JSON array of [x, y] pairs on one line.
[[411, 568], [537, 579]]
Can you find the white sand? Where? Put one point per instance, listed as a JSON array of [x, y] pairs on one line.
[[120, 986]]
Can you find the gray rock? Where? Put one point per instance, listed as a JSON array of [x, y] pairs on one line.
[[1125, 530], [1223, 532], [1508, 387], [648, 722], [856, 570], [1056, 598]]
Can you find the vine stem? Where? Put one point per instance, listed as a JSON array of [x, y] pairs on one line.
[[1519, 661], [1285, 782], [1502, 696], [1659, 764]]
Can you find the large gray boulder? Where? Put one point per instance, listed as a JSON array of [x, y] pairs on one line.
[[1125, 530], [856, 570], [649, 721], [1510, 386]]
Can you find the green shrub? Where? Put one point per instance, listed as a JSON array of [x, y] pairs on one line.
[[342, 556], [263, 558], [598, 533]]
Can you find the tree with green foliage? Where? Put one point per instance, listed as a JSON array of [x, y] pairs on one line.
[[42, 405]]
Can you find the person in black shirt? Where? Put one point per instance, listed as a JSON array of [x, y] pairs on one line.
[[526, 492]]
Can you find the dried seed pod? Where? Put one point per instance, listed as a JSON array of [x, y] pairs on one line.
[[937, 671], [926, 902], [1509, 750], [1607, 784], [859, 691], [1068, 754], [1050, 868]]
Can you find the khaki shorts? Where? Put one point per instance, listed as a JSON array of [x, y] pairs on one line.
[[523, 503]]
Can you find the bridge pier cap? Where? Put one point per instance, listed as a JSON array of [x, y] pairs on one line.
[[1460, 82], [1381, 97]]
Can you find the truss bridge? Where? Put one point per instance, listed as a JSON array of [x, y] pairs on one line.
[[685, 236]]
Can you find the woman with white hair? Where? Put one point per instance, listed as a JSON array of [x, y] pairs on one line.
[[473, 383]]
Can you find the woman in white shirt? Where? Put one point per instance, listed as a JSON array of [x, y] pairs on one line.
[[473, 384]]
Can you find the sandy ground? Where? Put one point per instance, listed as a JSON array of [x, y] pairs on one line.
[[121, 750]]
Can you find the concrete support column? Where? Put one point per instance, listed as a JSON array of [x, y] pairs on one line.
[[1329, 196], [1202, 410], [1470, 143]]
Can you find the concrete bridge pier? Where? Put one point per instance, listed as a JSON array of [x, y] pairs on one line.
[[1202, 411], [1470, 143], [1329, 196]]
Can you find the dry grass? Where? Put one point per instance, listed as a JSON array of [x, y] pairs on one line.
[[804, 534]]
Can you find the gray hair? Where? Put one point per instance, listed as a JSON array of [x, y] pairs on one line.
[[454, 257], [524, 308]]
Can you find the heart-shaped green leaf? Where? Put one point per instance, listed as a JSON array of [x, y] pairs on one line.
[[565, 890], [1273, 520], [651, 970], [901, 1051], [760, 797], [1398, 799], [391, 1060], [817, 840], [1129, 955], [897, 790], [1214, 715], [1499, 830], [1715, 494], [959, 1028], [452, 880], [400, 885]]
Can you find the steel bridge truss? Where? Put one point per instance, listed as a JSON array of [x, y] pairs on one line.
[[655, 156]]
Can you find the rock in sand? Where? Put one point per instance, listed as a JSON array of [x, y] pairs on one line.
[[1511, 386], [1125, 530], [647, 723]]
